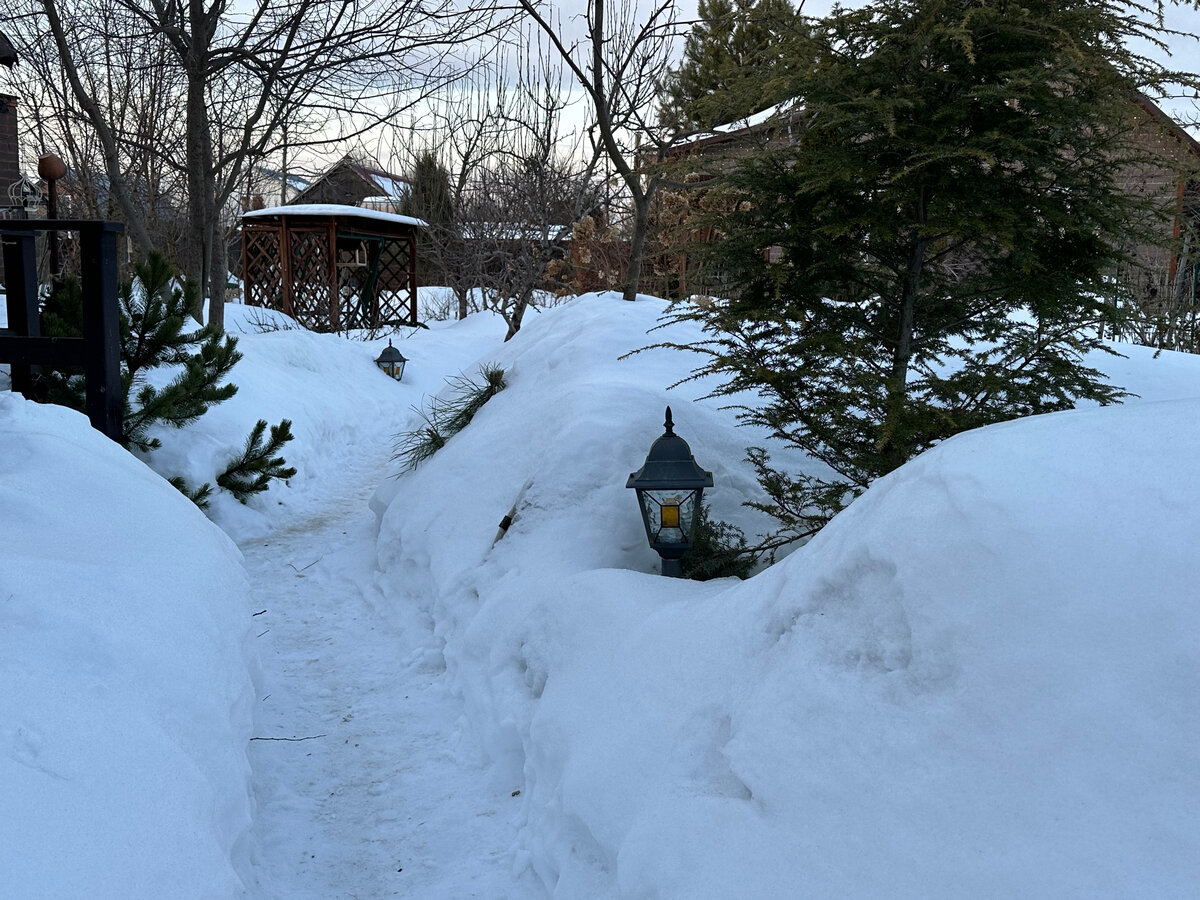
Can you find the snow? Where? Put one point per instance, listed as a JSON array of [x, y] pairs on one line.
[[127, 674], [335, 209], [394, 188], [982, 679], [786, 111]]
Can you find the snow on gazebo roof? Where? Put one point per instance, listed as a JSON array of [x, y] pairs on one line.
[[324, 210]]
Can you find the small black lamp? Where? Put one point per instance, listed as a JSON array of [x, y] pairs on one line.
[[670, 487], [391, 362]]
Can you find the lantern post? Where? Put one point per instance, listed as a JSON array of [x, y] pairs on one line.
[[670, 489]]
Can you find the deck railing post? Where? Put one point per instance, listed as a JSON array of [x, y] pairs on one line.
[[98, 351], [101, 327], [20, 269]]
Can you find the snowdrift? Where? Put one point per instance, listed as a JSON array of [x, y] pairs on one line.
[[124, 656], [982, 679], [337, 400]]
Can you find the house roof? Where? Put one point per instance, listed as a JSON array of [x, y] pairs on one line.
[[295, 181], [518, 231], [395, 187], [1173, 127], [374, 181], [773, 116], [788, 110]]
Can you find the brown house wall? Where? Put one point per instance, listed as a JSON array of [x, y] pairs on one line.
[[1176, 184], [1173, 185], [339, 185]]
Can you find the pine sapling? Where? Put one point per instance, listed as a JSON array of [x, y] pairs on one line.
[[152, 318], [719, 550]]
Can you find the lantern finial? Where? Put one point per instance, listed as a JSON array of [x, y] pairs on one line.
[[669, 425]]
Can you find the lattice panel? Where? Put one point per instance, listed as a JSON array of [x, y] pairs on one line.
[[311, 280], [397, 294], [263, 272], [353, 273]]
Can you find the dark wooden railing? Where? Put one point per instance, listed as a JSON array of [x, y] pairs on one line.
[[98, 352]]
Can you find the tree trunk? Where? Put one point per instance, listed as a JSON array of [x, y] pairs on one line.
[[220, 277], [516, 314], [192, 259], [637, 245], [197, 252], [892, 443]]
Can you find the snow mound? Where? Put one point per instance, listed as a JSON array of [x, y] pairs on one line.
[[335, 397], [125, 661], [982, 679]]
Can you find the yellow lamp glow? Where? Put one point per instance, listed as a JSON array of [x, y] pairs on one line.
[[669, 516]]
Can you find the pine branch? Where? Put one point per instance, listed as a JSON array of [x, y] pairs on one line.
[[252, 471], [445, 417], [200, 496]]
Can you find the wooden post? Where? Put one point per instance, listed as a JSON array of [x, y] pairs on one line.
[[245, 276], [20, 265], [101, 327], [99, 350], [285, 267], [335, 295], [412, 277]]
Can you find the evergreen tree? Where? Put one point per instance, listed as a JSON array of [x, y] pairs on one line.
[[932, 254], [153, 314], [430, 199], [735, 62]]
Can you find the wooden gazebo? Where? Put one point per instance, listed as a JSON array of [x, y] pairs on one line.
[[332, 267]]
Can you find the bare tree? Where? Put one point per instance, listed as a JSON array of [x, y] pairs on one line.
[[329, 69], [618, 63], [515, 188]]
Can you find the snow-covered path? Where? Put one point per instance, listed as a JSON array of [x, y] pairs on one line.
[[366, 785]]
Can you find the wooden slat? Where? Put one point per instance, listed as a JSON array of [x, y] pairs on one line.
[[19, 349]]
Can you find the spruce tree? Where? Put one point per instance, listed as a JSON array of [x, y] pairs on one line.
[[933, 254], [734, 63], [430, 199]]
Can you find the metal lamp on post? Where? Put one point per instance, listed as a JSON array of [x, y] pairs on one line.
[[50, 169], [391, 362], [670, 487]]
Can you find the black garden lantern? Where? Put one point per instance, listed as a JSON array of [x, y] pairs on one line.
[[670, 487], [391, 362]]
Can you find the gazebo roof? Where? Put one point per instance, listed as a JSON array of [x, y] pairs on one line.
[[333, 210]]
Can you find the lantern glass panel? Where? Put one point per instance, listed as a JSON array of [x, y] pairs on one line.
[[392, 370], [669, 515]]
